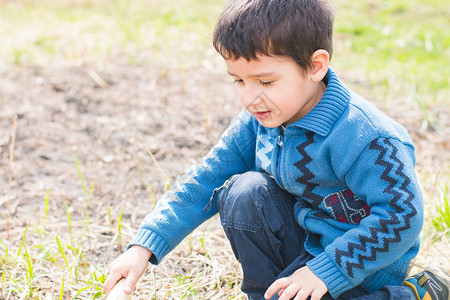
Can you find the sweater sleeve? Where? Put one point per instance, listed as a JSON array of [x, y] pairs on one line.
[[186, 205], [383, 175]]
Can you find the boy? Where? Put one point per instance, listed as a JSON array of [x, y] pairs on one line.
[[315, 187]]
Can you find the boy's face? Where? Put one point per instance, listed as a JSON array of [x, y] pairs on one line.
[[274, 89]]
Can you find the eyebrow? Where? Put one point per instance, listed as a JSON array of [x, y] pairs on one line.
[[254, 75]]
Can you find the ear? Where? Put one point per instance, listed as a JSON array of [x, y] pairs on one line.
[[320, 60]]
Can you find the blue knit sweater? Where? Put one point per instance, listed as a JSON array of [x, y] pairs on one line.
[[351, 169]]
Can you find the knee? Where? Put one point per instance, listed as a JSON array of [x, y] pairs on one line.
[[244, 195]]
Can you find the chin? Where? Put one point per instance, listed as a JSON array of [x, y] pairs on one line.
[[269, 124]]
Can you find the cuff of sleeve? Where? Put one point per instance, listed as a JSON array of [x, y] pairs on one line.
[[327, 271], [300, 214], [153, 242]]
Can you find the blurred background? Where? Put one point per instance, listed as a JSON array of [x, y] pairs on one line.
[[103, 104]]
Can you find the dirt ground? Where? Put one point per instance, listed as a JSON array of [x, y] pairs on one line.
[[106, 123], [63, 115]]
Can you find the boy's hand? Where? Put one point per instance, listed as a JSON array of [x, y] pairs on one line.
[[131, 265], [301, 284]]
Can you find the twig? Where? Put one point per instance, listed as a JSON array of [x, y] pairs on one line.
[[11, 159], [433, 189], [98, 80], [154, 159]]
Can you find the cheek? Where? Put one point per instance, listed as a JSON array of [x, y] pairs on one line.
[[283, 97], [295, 95], [288, 101], [240, 94]]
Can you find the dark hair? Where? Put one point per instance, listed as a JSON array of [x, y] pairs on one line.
[[292, 28]]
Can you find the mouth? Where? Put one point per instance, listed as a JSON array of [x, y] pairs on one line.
[[261, 114]]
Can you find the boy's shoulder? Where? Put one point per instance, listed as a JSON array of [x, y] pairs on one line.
[[364, 121]]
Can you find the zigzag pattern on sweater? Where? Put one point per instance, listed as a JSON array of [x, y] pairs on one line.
[[307, 174], [264, 153], [388, 232]]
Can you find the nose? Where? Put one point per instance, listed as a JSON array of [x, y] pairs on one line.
[[250, 96]]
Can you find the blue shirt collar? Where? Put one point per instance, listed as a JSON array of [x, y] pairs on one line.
[[324, 115]]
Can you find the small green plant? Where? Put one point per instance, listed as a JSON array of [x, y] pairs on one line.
[[202, 238], [45, 213], [63, 254], [88, 196], [80, 176], [29, 274], [76, 254], [150, 193], [118, 236], [191, 291], [97, 282], [61, 290], [24, 236], [108, 212], [441, 221], [69, 222], [185, 282]]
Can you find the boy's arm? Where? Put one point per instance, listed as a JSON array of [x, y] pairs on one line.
[[383, 175], [187, 204]]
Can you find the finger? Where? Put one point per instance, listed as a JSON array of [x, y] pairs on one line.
[[301, 295], [130, 283], [277, 285], [290, 292], [111, 282], [317, 294]]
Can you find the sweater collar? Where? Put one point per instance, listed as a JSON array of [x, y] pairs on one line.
[[324, 115]]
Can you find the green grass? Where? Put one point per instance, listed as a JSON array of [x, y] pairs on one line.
[[31, 270], [405, 39], [437, 206], [79, 32], [442, 220]]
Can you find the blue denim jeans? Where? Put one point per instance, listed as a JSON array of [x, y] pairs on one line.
[[258, 219]]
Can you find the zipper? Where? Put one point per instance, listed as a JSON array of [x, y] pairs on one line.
[[280, 138], [280, 142]]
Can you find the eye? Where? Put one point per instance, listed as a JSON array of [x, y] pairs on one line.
[[266, 83], [238, 81]]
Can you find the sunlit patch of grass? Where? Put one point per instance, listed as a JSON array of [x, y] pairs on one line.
[[81, 32], [440, 218], [199, 268], [405, 39], [52, 263], [436, 230]]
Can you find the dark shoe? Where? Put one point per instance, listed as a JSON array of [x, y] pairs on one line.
[[430, 284]]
